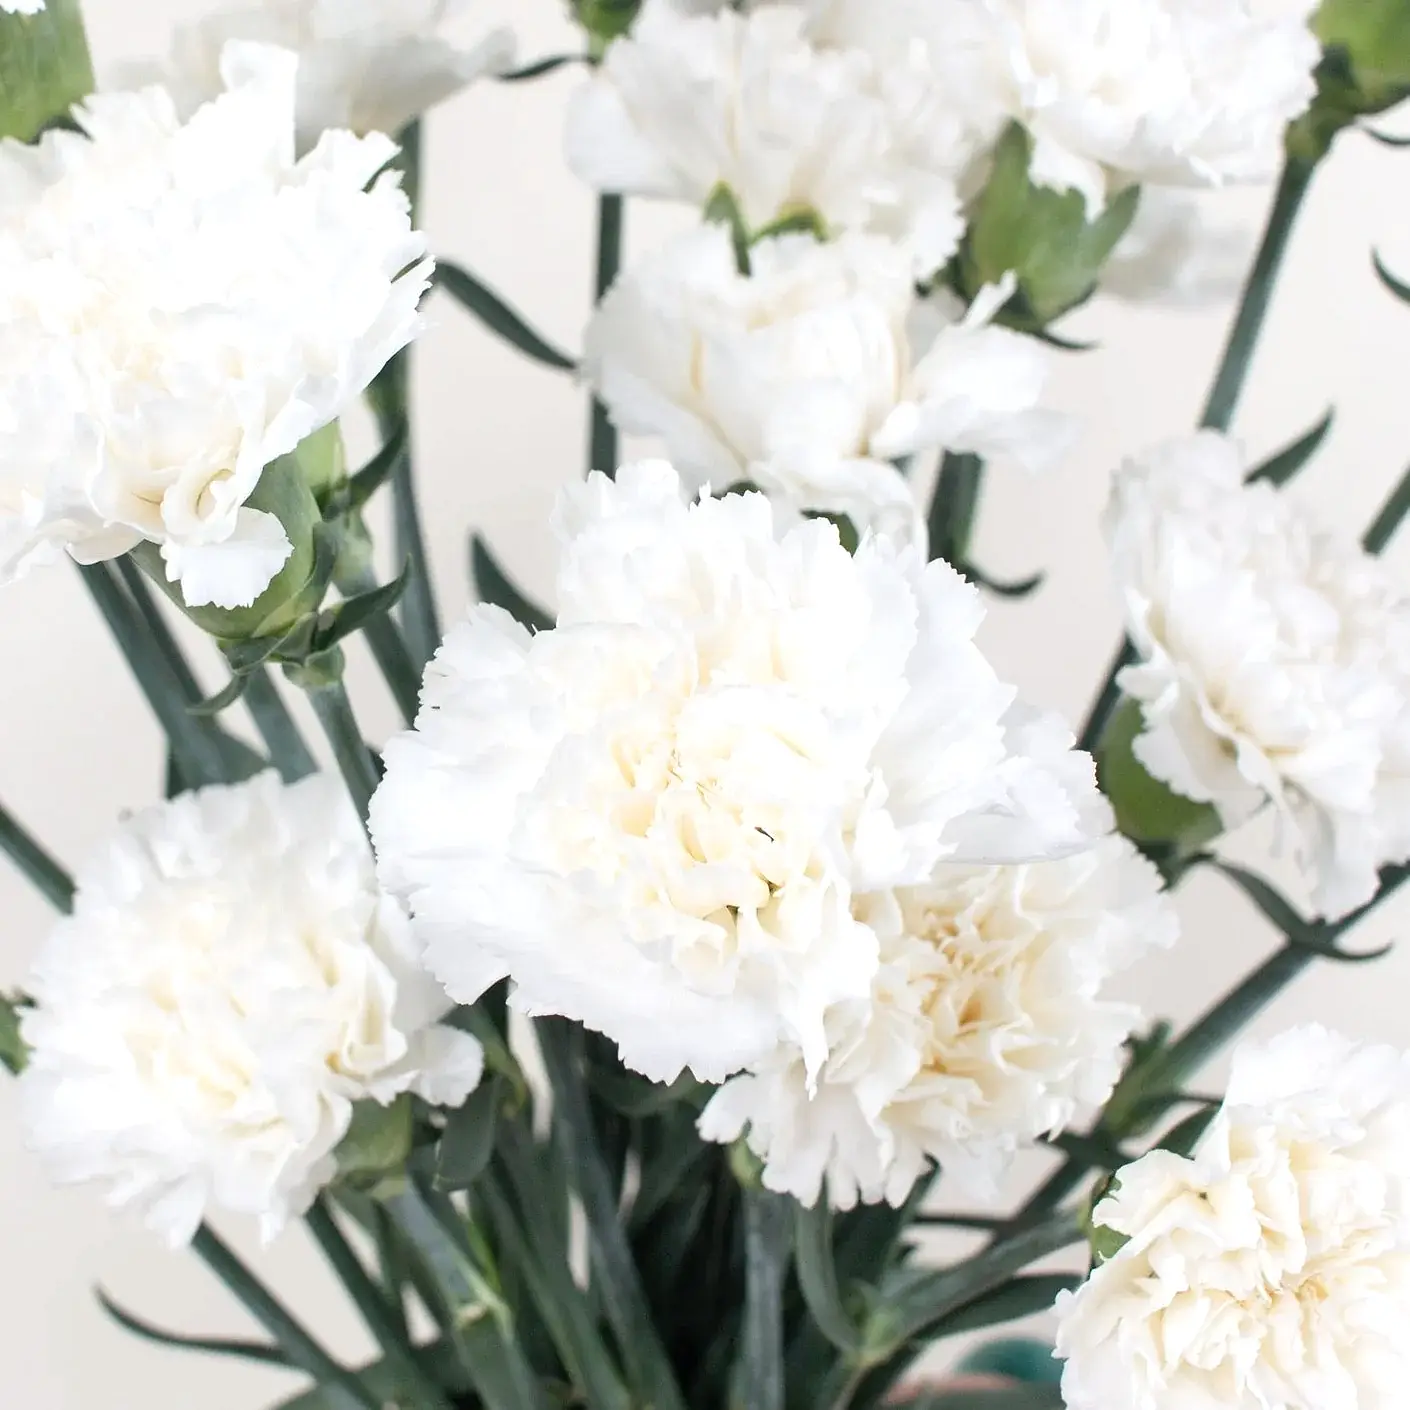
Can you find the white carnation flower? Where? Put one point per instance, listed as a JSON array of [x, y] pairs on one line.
[[364, 65], [1175, 253], [1176, 92], [1275, 661], [687, 103], [654, 818], [179, 306], [985, 1029], [1271, 1269], [809, 372], [230, 982]]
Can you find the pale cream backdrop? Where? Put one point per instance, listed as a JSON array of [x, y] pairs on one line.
[[497, 436]]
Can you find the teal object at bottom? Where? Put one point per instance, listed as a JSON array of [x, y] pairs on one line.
[[1022, 1358]]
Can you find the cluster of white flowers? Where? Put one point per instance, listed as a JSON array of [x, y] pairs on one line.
[[1270, 1268], [179, 306], [731, 795], [364, 65], [230, 983], [811, 372], [1275, 661]]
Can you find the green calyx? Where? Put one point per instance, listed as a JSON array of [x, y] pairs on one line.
[[45, 68], [605, 20], [1366, 57], [1043, 236]]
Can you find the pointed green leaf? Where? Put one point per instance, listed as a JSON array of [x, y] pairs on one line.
[[493, 586], [498, 316], [722, 208], [467, 1143], [265, 1352], [768, 1239], [1398, 287], [1182, 1138], [1019, 1297], [817, 1276], [1280, 468], [367, 481], [1386, 139], [540, 68], [1388, 520], [1019, 1358], [221, 700], [14, 1051], [1025, 587], [341, 621]]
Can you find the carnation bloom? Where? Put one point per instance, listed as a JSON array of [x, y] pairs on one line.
[[688, 103], [1175, 253], [985, 1028], [1176, 92], [364, 65], [809, 373], [180, 305], [230, 982], [1270, 1269], [654, 818], [1275, 661]]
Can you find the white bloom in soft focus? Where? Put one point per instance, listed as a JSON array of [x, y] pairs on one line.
[[1270, 1271], [364, 65], [179, 306], [22, 7], [654, 818], [1175, 92], [1176, 253], [1275, 661], [807, 374], [686, 103], [985, 1029], [230, 982]]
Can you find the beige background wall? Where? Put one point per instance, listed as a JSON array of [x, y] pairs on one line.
[[498, 435]]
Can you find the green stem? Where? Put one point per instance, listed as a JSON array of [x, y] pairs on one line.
[[622, 1295], [329, 698], [1389, 519], [376, 1312], [759, 1371], [392, 1267], [276, 727], [1108, 698], [602, 441], [389, 650], [953, 507], [1248, 323], [159, 627], [298, 1345], [51, 880], [193, 741]]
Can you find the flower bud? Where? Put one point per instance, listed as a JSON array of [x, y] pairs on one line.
[[299, 586], [605, 20], [377, 1144], [44, 67], [1146, 810], [1042, 235], [1367, 45], [322, 461]]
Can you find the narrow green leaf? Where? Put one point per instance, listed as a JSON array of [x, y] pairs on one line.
[[635, 1096], [1020, 1358], [758, 1370], [1398, 287], [1053, 340], [265, 1352], [1029, 1396], [1280, 468], [540, 68], [467, 1143], [1388, 520], [14, 1051], [1184, 1135], [603, 444], [384, 1381], [222, 700], [1019, 1297], [1386, 139], [953, 507], [367, 481], [492, 585], [353, 614], [817, 1276], [498, 316], [25, 851], [282, 737], [722, 208], [1025, 587]]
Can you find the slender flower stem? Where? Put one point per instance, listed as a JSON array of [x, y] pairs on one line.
[[953, 507], [287, 750], [381, 1321], [52, 881], [194, 742], [329, 698], [1229, 380], [342, 1385], [1388, 520], [159, 627], [602, 442], [390, 651], [768, 1224]]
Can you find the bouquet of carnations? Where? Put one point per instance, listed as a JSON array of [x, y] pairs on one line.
[[714, 929]]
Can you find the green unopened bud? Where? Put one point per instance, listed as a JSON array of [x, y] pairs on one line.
[[323, 461], [300, 585], [1146, 810], [1043, 236], [605, 20], [377, 1144], [1367, 43], [44, 67]]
